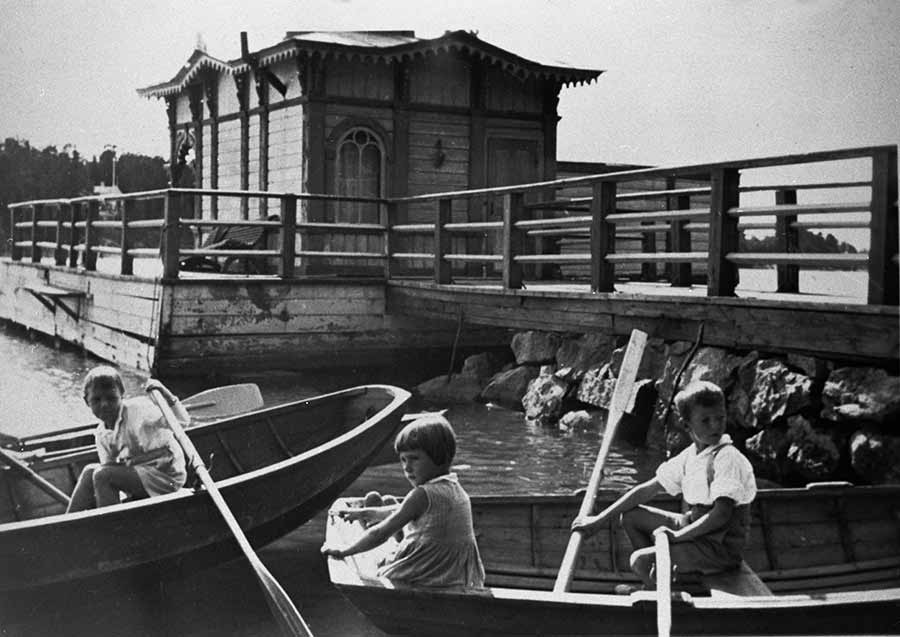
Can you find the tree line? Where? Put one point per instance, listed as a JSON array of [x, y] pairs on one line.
[[28, 173]]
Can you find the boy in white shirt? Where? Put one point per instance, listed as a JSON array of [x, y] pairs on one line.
[[716, 483]]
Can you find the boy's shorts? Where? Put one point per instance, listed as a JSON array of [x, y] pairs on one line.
[[711, 553]]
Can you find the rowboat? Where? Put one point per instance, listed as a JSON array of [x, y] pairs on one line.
[[827, 559], [275, 467]]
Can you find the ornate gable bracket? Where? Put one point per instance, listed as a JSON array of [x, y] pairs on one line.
[[261, 86], [240, 83], [211, 93], [195, 102]]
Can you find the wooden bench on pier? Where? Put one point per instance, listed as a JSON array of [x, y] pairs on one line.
[[53, 297]]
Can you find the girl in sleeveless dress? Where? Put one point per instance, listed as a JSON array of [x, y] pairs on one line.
[[438, 546]]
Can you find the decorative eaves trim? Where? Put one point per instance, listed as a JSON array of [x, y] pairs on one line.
[[198, 61]]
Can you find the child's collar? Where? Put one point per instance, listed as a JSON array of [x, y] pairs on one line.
[[725, 439], [450, 477]]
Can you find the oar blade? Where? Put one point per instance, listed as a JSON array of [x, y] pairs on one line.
[[220, 402], [284, 611]]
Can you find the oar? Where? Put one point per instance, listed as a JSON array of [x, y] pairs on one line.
[[29, 474], [617, 406], [220, 402], [286, 614], [663, 585], [215, 403]]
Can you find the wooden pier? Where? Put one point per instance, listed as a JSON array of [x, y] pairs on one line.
[[436, 272]]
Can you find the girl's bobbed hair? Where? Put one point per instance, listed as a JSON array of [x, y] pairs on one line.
[[702, 393], [432, 434], [103, 376]]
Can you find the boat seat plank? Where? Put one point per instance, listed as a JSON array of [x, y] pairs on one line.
[[741, 581]]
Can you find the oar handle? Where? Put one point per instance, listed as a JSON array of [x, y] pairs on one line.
[[663, 584], [621, 397]]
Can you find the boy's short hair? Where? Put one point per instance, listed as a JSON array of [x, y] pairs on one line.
[[433, 434], [699, 392], [103, 376]]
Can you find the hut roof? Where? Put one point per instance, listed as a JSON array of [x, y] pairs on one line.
[[372, 47]]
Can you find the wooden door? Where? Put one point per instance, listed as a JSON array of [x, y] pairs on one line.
[[510, 161]]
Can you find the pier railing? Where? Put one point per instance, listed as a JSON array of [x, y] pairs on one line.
[[690, 221]]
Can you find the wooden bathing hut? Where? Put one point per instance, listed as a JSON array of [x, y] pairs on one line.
[[365, 114]]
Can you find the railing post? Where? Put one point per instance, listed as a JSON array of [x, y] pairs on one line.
[[90, 215], [513, 240], [723, 232], [883, 267], [442, 267], [127, 261], [603, 236], [388, 218], [288, 236], [680, 274], [73, 234], [787, 239], [15, 251], [648, 244], [171, 234], [35, 249], [59, 254]]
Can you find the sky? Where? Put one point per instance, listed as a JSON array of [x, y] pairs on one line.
[[685, 81]]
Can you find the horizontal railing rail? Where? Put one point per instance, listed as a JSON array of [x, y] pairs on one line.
[[689, 221]]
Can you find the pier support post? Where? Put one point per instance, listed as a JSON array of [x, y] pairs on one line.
[[680, 274], [603, 237], [90, 215], [389, 215], [288, 236], [35, 248], [787, 239], [73, 234], [15, 251], [883, 266], [723, 232], [127, 261], [59, 254], [171, 234], [442, 267], [513, 240]]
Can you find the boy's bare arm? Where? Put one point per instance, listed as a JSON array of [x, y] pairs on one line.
[[636, 496], [713, 520]]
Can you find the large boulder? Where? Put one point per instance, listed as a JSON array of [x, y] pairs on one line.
[[507, 388], [775, 393], [596, 386], [535, 348], [713, 364], [479, 366], [861, 394], [582, 353], [543, 399], [460, 388], [875, 457], [581, 419], [767, 451], [812, 455]]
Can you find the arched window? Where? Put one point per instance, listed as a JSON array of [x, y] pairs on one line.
[[359, 172]]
